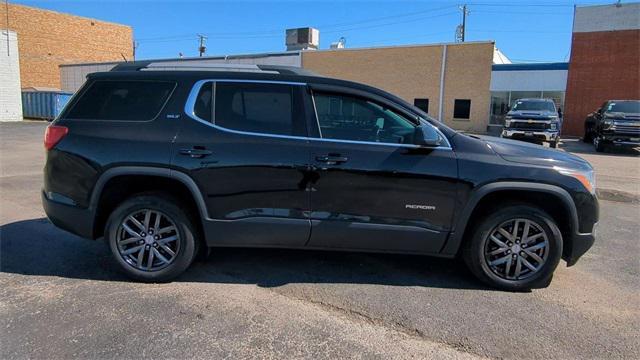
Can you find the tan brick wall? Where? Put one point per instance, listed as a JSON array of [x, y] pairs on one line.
[[47, 39], [468, 76], [414, 72]]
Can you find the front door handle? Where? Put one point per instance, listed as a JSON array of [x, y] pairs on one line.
[[332, 159], [196, 152]]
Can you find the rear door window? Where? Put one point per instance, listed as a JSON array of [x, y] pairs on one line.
[[124, 100], [263, 108]]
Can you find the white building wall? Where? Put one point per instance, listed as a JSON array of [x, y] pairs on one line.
[[10, 93], [529, 80], [611, 17]]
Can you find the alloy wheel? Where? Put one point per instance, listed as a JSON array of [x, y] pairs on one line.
[[516, 249], [148, 240]]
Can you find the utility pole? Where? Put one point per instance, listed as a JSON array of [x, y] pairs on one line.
[[202, 48], [6, 4], [135, 46], [464, 22]]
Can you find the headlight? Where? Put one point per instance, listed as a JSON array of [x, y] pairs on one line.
[[553, 117], [507, 122], [553, 126], [586, 178], [607, 122]]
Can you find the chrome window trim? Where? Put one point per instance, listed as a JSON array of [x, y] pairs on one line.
[[189, 109]]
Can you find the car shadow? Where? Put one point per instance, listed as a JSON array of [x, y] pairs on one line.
[[36, 247], [579, 147]]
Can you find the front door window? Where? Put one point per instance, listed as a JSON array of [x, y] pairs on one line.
[[345, 117]]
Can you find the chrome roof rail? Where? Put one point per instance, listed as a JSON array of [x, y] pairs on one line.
[[203, 65], [190, 66]]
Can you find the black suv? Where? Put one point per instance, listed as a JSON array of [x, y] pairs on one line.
[[535, 120], [166, 162], [616, 123]]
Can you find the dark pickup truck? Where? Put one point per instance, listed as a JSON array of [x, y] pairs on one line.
[[616, 123], [534, 120]]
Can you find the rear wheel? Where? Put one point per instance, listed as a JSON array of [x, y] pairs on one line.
[[516, 248], [151, 238]]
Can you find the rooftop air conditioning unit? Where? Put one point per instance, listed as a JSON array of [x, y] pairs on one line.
[[303, 39]]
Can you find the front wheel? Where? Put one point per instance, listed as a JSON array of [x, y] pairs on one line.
[[553, 144], [151, 238], [598, 144], [516, 248]]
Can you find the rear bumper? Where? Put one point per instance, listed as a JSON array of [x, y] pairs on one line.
[[71, 218], [539, 135]]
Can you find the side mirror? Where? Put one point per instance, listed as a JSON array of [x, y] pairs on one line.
[[426, 135]]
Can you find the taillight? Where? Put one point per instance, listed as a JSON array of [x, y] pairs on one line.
[[53, 135]]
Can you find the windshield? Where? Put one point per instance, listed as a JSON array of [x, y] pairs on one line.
[[624, 106], [523, 105]]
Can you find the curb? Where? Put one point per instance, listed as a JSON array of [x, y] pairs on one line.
[[617, 196]]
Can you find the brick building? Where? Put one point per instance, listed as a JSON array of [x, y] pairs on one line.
[[47, 39], [605, 60], [449, 81]]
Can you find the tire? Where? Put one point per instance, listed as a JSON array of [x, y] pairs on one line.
[[553, 144], [478, 248], [587, 138], [598, 144], [162, 266]]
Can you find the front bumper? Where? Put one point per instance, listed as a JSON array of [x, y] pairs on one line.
[[71, 218], [579, 245], [621, 139], [538, 135]]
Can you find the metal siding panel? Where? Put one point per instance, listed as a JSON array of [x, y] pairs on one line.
[[43, 104]]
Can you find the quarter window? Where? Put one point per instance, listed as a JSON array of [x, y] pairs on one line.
[[203, 105], [351, 118], [121, 100], [254, 107]]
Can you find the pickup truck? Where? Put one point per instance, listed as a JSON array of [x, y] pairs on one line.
[[533, 120], [616, 123]]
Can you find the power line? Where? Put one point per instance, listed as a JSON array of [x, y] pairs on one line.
[[520, 31], [267, 36], [518, 12], [278, 32], [512, 4]]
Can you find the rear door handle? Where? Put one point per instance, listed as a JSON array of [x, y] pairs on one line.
[[332, 159], [196, 152]]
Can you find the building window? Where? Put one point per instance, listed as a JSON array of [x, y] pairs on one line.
[[499, 107], [461, 109], [422, 104]]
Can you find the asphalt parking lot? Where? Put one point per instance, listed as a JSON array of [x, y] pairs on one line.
[[62, 297]]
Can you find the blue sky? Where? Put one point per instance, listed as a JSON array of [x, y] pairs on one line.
[[526, 30]]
